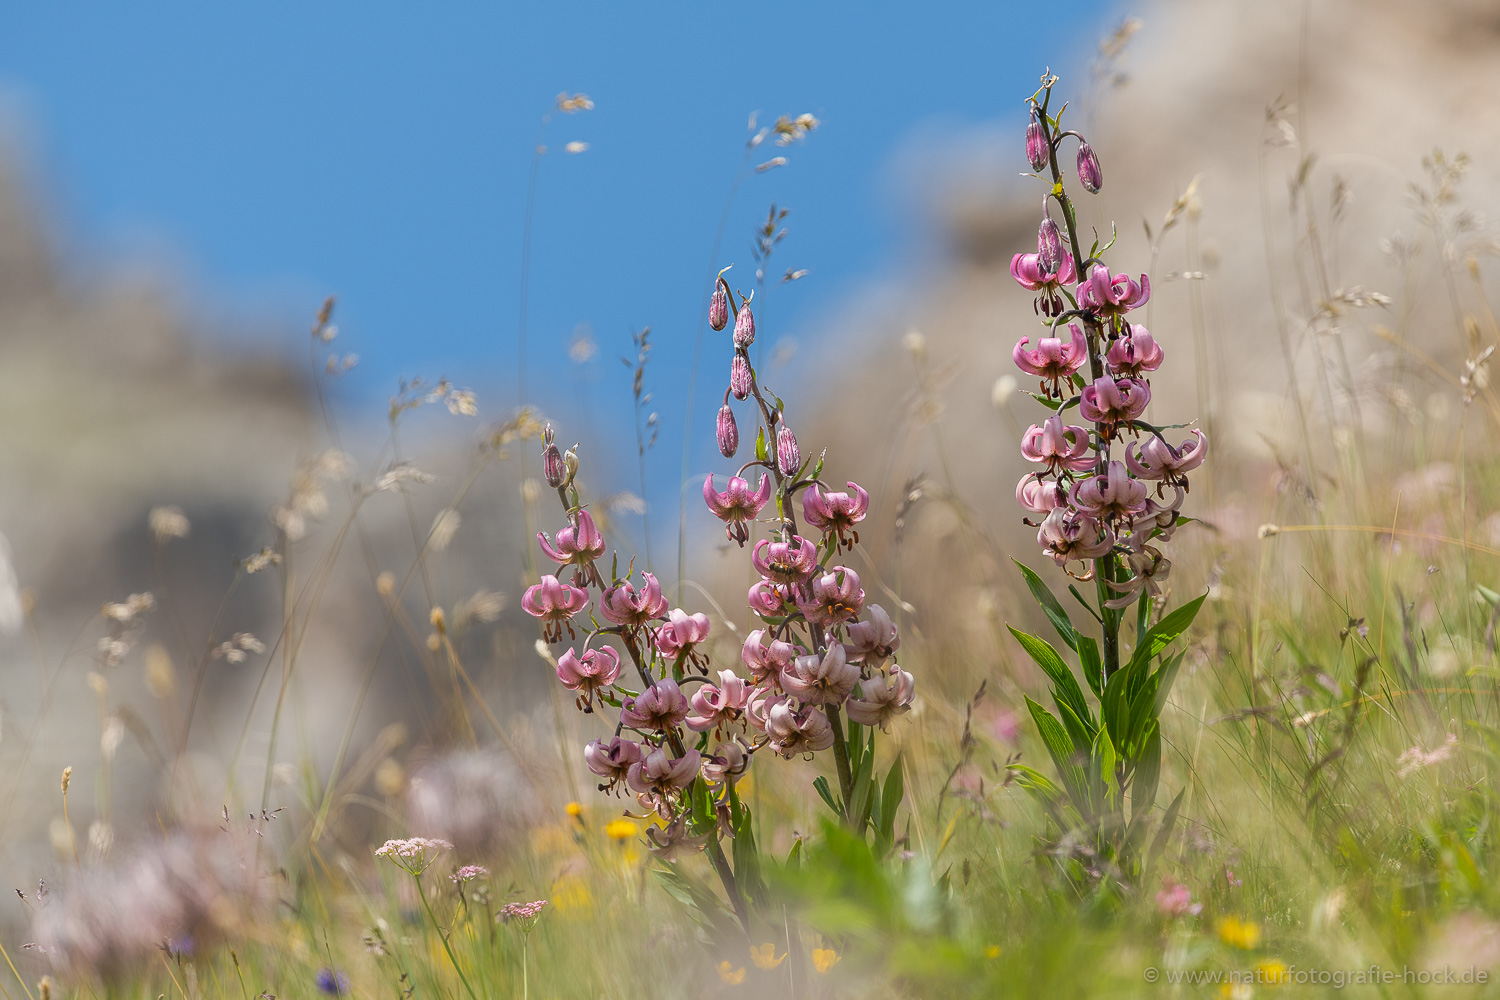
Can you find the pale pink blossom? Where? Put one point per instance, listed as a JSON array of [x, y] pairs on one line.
[[716, 705], [1111, 295], [1026, 268], [588, 671], [1052, 360], [1113, 497], [554, 603], [1038, 495], [660, 773], [798, 730], [763, 661], [831, 598], [785, 562], [821, 680], [660, 706], [730, 760], [873, 641], [836, 512], [579, 544], [737, 504], [611, 759], [762, 701], [1176, 900], [681, 633], [769, 599], [624, 605], [1155, 459], [1134, 354], [1066, 535], [882, 697], [1060, 447], [1114, 401]]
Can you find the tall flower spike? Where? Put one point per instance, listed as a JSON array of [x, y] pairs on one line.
[[718, 308], [1089, 174], [788, 455], [1036, 143], [1049, 246], [737, 505], [744, 328], [728, 432]]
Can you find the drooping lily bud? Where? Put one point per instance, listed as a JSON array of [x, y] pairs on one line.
[[739, 376], [718, 309], [744, 328], [728, 432], [1049, 246], [788, 455], [1089, 174], [552, 461], [1036, 143]]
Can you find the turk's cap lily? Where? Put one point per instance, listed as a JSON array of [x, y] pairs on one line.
[[589, 670], [1135, 353], [1052, 358], [1067, 534], [1027, 269], [835, 511], [785, 562], [717, 704], [578, 543], [682, 631], [874, 640], [1155, 459], [1038, 495], [763, 660], [660, 706], [798, 730], [1057, 445], [1112, 294], [659, 771], [553, 600], [623, 604], [611, 759], [1111, 401], [821, 680], [770, 600], [882, 698], [1114, 496], [831, 598]]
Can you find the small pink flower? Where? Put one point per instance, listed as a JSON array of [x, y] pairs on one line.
[[737, 504], [554, 603], [785, 562], [1039, 496], [624, 605], [1051, 360], [660, 706], [1113, 497], [611, 759], [1113, 401], [739, 376], [730, 760], [1154, 459], [468, 873], [1135, 353], [716, 705], [766, 662], [798, 730], [1026, 268], [588, 672], [681, 633], [882, 698], [1066, 535], [836, 512], [874, 641], [1111, 295], [579, 544], [1058, 446], [660, 773], [825, 680], [832, 597], [1176, 900], [770, 600], [762, 701]]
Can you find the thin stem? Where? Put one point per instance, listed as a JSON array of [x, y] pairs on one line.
[[841, 761], [422, 893], [722, 868]]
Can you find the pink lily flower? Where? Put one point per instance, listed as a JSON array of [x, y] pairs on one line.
[[766, 662], [825, 680], [1135, 353], [1057, 446], [554, 603], [770, 600], [831, 598], [1112, 295], [1051, 360], [1066, 535], [681, 633], [1026, 268], [588, 672], [730, 760], [872, 642], [661, 773], [624, 605], [798, 730], [716, 705], [579, 544], [1113, 401], [1155, 459], [737, 504], [882, 698], [660, 706], [611, 759], [836, 512], [1038, 496], [1113, 497], [758, 709], [785, 562]]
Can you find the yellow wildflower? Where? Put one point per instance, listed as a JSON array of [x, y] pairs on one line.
[[1239, 933], [824, 959], [993, 951], [730, 974], [619, 829], [764, 956], [574, 810], [1271, 972]]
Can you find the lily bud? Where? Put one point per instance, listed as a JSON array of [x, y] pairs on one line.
[[1049, 246], [1036, 143], [718, 309], [788, 455], [1089, 174], [744, 328], [552, 461], [728, 432], [570, 465], [739, 376]]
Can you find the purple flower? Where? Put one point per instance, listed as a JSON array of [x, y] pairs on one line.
[[821, 680], [681, 633], [831, 598], [716, 705], [882, 698], [1112, 401], [660, 773], [611, 759], [1052, 360], [718, 309], [332, 982], [1057, 446], [1066, 535], [1113, 497], [624, 605], [660, 706], [1089, 174], [1155, 459], [874, 641], [554, 603], [739, 376], [1134, 353], [588, 672], [1036, 143], [767, 662], [797, 730], [727, 431], [785, 562], [744, 328], [836, 512], [788, 455], [737, 504], [1112, 295]]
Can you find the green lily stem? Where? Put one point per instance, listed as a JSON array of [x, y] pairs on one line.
[[841, 762], [422, 893]]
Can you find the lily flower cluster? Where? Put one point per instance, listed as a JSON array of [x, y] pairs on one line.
[[1097, 496], [686, 729]]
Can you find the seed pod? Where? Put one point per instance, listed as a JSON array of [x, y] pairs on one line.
[[728, 432], [1049, 246], [1089, 174], [739, 376], [744, 328], [718, 309], [1036, 143]]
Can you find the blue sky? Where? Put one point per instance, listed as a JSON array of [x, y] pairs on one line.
[[268, 154]]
